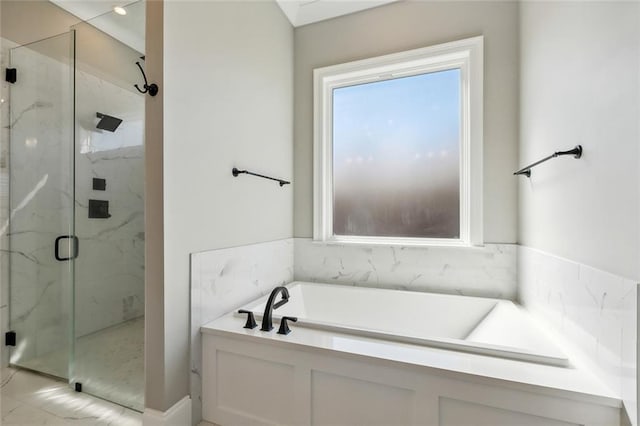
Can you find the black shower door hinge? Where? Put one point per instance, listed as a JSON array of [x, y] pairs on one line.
[[10, 338], [11, 75]]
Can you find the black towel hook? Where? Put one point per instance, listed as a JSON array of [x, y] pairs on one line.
[[151, 88]]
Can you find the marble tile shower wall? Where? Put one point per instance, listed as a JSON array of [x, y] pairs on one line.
[[488, 271], [222, 280], [109, 272], [595, 311]]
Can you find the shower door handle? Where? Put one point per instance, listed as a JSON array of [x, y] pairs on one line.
[[76, 247]]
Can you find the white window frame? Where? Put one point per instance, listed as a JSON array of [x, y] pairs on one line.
[[467, 55]]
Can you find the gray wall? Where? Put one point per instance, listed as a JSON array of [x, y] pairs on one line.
[[409, 25], [579, 85], [154, 340], [228, 98]]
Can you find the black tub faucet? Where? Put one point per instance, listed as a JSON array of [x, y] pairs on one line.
[[267, 323]]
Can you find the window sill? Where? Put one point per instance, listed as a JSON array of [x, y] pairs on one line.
[[393, 242]]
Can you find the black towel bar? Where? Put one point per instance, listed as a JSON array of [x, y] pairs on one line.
[[576, 152], [235, 172]]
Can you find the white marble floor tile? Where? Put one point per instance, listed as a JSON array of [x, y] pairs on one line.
[[27, 387], [28, 398], [7, 405], [25, 414]]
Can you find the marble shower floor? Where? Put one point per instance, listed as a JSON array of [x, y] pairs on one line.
[[109, 363], [29, 398]]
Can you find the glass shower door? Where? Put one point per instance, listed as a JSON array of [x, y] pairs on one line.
[[41, 188], [76, 189], [109, 215]]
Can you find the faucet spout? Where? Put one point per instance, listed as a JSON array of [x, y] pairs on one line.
[[267, 320]]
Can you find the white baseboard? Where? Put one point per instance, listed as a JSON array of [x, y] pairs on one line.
[[178, 415]]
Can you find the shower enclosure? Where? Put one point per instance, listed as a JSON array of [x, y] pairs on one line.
[[76, 230]]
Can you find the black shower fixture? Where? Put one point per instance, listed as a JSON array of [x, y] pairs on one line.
[[107, 122]]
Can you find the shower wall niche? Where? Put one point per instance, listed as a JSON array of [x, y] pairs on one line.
[[75, 236]]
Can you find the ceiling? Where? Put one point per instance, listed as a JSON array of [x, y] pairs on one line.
[[303, 12], [129, 29]]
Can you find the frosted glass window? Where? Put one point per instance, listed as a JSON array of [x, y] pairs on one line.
[[396, 157], [397, 143]]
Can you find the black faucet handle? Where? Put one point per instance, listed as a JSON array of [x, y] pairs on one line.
[[284, 327], [251, 321]]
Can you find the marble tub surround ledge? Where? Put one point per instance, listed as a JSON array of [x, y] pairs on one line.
[[222, 280], [593, 311], [487, 271]]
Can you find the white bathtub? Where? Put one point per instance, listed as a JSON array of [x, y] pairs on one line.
[[471, 324], [362, 356]]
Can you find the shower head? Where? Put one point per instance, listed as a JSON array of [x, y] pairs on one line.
[[107, 122]]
